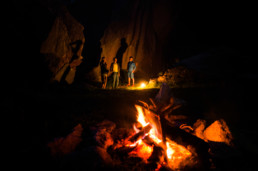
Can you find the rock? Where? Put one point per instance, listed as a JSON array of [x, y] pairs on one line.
[[218, 131], [63, 45], [65, 145], [142, 30], [199, 127]]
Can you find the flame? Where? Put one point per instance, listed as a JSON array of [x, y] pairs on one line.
[[140, 117], [142, 150], [176, 154]]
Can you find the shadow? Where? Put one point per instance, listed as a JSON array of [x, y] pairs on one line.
[[62, 80], [119, 56], [121, 51], [75, 48]]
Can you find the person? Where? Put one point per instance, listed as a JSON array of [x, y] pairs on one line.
[[115, 69], [104, 72], [130, 69]]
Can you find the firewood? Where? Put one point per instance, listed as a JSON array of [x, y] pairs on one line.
[[140, 134], [149, 141], [181, 137]]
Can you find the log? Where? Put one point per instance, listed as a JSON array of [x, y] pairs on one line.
[[140, 134], [181, 137], [149, 141], [186, 139]]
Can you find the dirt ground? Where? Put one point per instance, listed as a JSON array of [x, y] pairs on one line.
[[39, 117]]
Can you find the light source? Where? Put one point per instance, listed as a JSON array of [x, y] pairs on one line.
[[143, 85]]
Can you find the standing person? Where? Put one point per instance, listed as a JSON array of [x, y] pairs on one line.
[[130, 69], [104, 72], [116, 73]]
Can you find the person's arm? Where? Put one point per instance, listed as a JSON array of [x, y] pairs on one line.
[[134, 67]]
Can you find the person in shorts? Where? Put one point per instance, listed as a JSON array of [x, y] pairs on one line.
[[131, 69]]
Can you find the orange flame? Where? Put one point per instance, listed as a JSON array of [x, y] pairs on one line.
[[176, 154], [140, 117], [142, 150]]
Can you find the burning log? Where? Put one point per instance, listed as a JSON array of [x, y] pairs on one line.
[[149, 141], [200, 149], [140, 134], [162, 144], [198, 146]]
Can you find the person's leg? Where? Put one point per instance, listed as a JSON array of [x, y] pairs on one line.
[[129, 79], [132, 76], [114, 80], [117, 80], [105, 81]]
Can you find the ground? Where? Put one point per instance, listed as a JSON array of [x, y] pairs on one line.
[[39, 117]]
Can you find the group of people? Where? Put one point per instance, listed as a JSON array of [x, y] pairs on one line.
[[115, 71]]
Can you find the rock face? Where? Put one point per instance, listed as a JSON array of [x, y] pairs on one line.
[[47, 41], [63, 47], [142, 30]]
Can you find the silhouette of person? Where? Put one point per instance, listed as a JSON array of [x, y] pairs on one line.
[[121, 51]]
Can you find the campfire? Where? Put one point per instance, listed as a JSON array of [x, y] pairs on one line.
[[157, 140], [148, 137], [162, 143]]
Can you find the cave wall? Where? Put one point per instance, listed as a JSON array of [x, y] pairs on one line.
[[41, 37], [63, 47], [141, 29]]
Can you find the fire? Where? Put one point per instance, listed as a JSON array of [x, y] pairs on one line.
[[176, 154], [140, 117], [142, 150], [143, 85]]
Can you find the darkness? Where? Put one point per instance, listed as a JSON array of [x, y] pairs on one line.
[[205, 24], [201, 26], [95, 17]]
